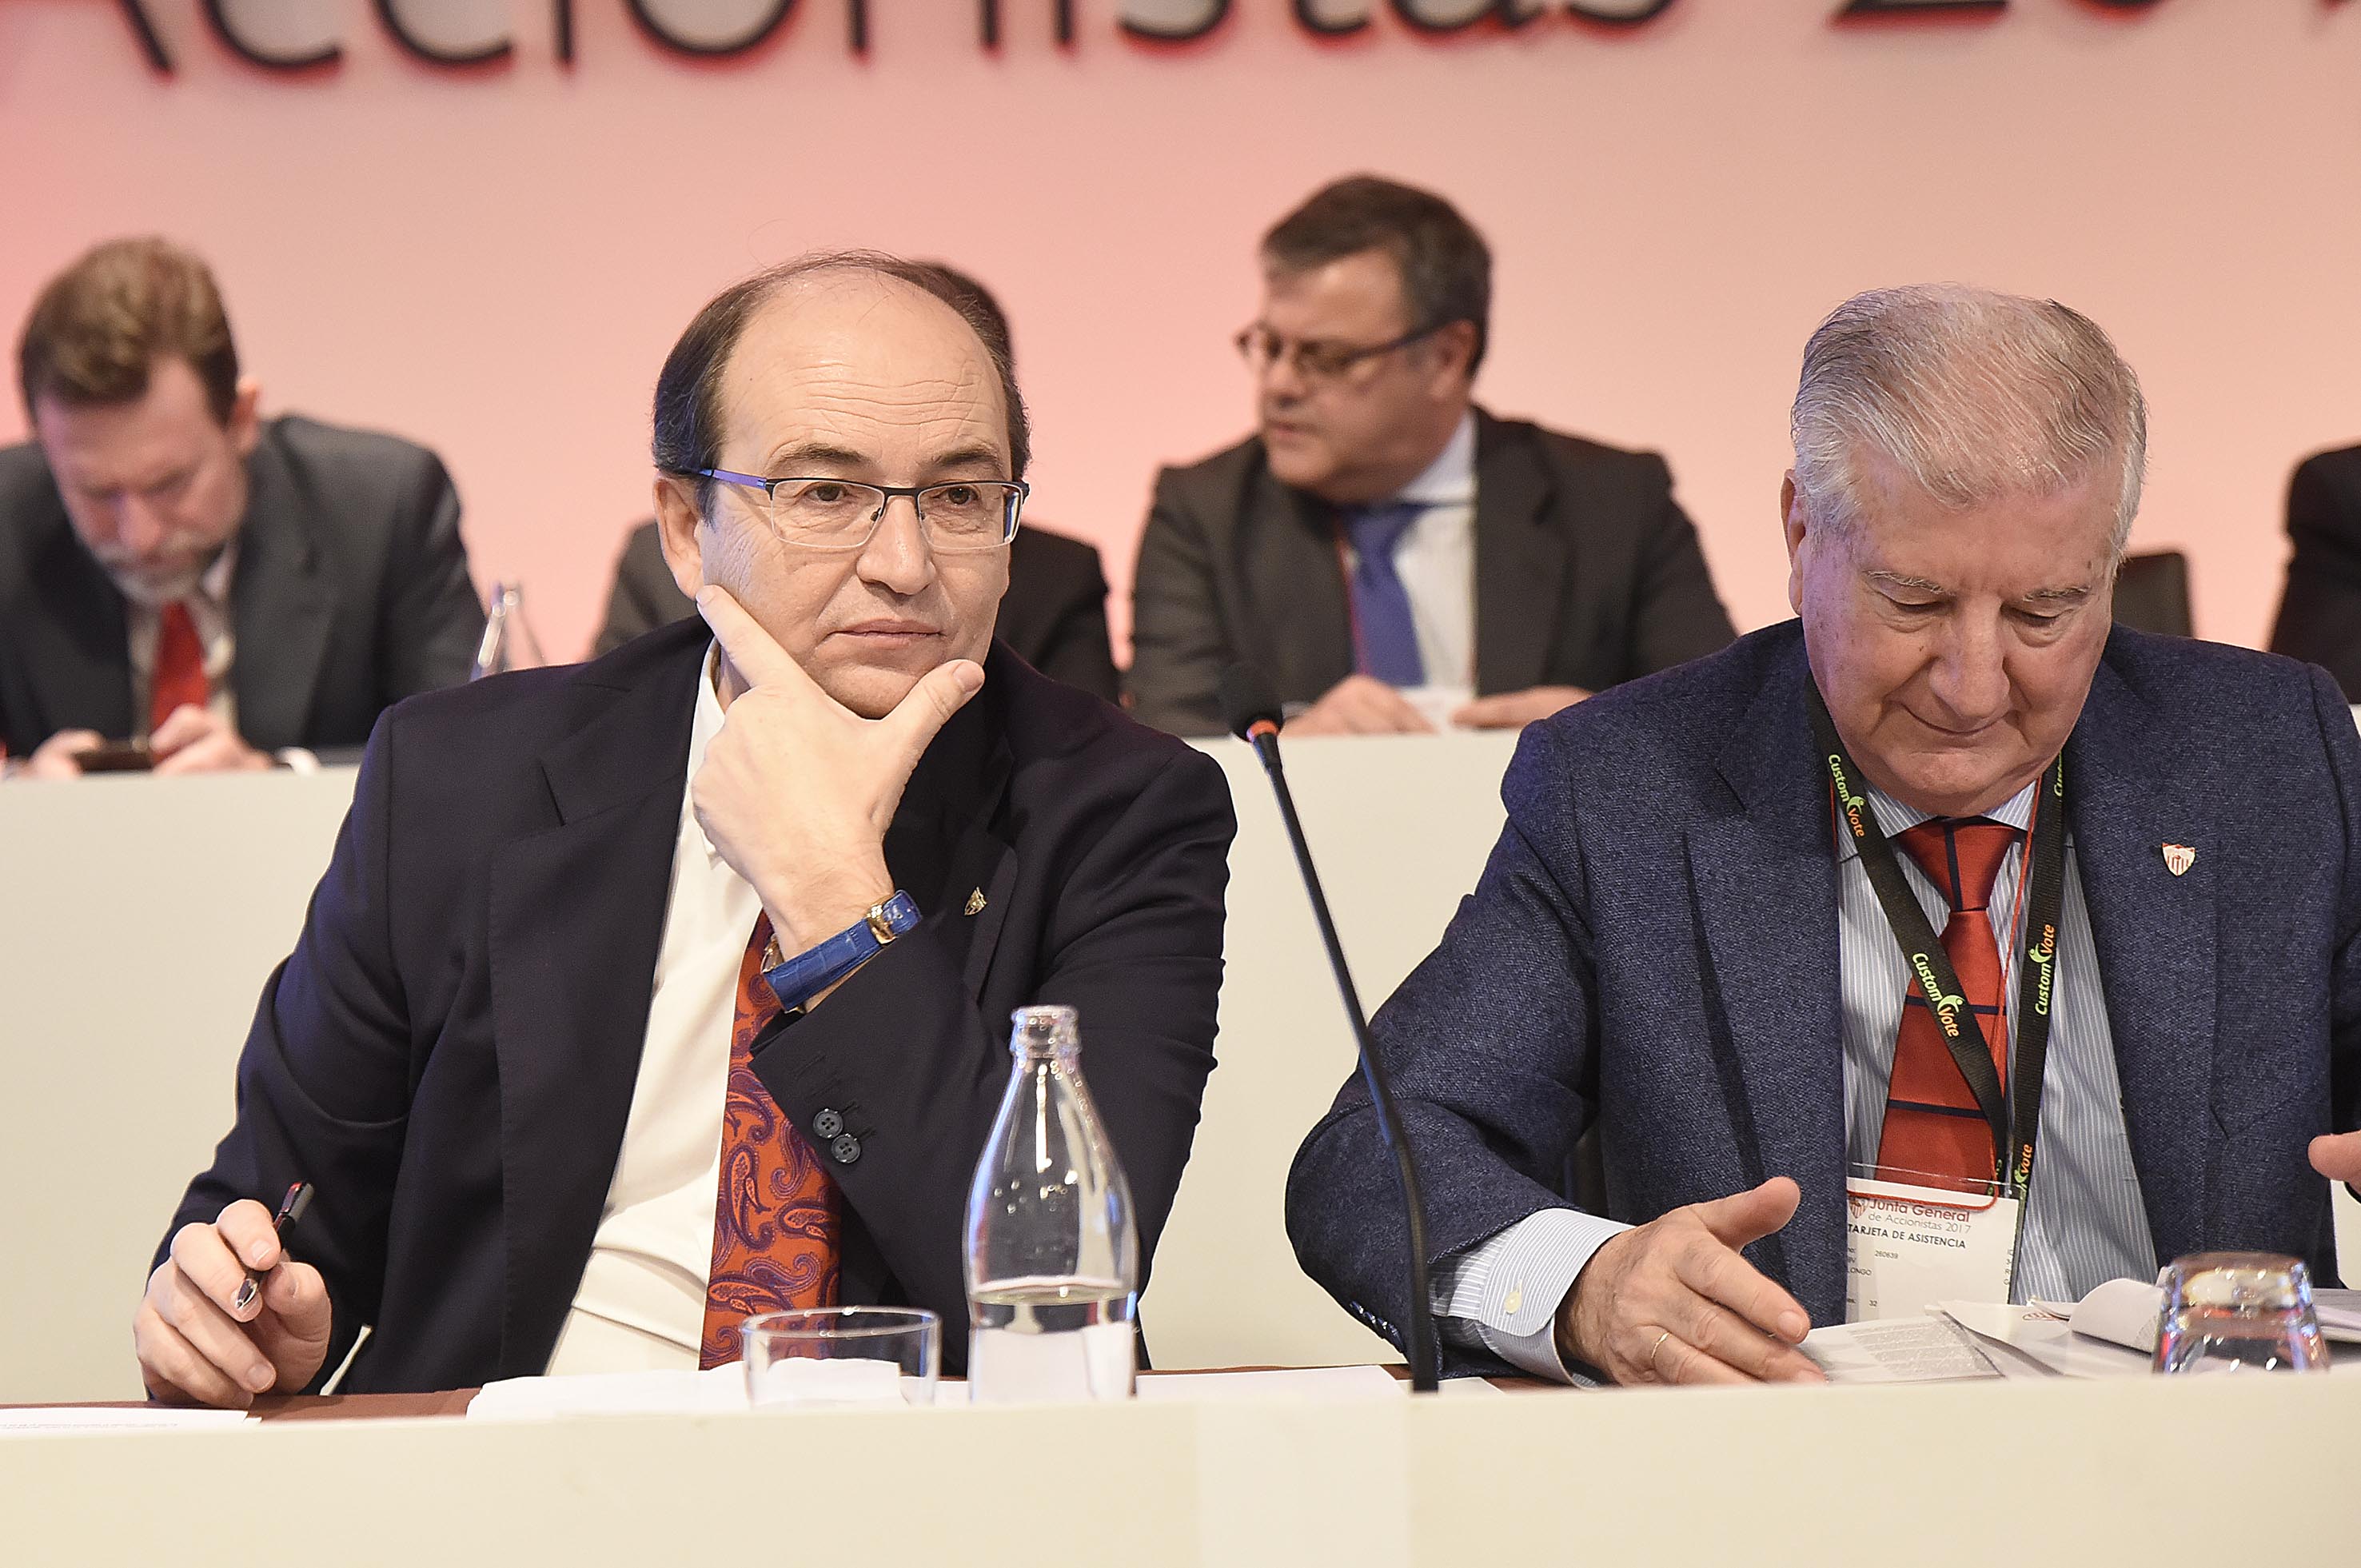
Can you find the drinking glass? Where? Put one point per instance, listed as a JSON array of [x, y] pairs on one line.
[[2238, 1312], [836, 1357]]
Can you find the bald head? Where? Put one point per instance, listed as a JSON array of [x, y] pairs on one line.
[[855, 372], [688, 391]]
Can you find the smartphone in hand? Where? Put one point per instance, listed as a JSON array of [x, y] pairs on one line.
[[117, 757]]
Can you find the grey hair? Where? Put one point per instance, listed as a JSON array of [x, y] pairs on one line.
[[1975, 396]]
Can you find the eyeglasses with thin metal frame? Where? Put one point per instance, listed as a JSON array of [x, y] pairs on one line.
[[843, 514], [1315, 360]]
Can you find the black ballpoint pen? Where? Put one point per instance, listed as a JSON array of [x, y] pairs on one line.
[[290, 1209]]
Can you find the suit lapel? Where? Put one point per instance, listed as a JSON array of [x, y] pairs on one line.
[[282, 604], [1763, 878], [76, 646], [1287, 554], [2127, 798], [1520, 563], [947, 844], [578, 914]]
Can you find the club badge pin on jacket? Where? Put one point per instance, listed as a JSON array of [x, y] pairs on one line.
[[2178, 857]]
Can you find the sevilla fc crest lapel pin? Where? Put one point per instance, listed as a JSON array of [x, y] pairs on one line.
[[2178, 857]]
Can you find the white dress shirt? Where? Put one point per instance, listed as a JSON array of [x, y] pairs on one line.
[[641, 1305], [2085, 1221], [1435, 559]]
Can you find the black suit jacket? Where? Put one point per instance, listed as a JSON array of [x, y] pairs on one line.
[[1053, 615], [351, 593], [450, 1051], [1588, 573], [2320, 614]]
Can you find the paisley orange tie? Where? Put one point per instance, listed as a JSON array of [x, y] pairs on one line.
[[774, 1226]]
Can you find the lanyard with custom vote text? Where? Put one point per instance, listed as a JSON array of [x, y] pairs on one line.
[[1932, 966]]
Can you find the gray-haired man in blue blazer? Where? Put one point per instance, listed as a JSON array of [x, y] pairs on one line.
[[1681, 938]]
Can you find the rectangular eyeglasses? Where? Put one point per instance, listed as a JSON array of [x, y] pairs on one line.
[[843, 514]]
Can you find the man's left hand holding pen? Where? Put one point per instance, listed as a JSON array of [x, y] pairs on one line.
[[229, 1315]]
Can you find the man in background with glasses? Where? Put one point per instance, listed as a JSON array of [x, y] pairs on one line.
[[646, 995], [1393, 557]]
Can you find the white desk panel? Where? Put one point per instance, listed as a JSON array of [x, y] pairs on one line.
[[2059, 1475]]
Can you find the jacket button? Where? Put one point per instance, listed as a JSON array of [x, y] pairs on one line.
[[827, 1124], [847, 1148]]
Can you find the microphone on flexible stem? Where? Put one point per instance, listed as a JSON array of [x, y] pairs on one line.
[[1254, 715]]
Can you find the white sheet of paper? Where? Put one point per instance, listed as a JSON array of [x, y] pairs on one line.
[[134, 1417], [2119, 1312], [2125, 1312], [719, 1391], [1897, 1350], [1305, 1383], [1436, 704], [2340, 1314], [723, 1390], [1470, 1388], [2046, 1341], [1909, 1247], [833, 1382]]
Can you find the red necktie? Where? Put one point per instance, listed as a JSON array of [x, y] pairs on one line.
[[774, 1226], [1935, 1132], [179, 677]]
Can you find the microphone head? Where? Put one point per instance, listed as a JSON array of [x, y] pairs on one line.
[[1248, 701]]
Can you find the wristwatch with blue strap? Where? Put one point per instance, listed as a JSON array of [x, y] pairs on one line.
[[797, 979]]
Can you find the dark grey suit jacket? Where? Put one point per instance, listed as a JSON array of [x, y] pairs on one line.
[[1588, 573], [351, 593], [1053, 616], [1652, 951], [2320, 614]]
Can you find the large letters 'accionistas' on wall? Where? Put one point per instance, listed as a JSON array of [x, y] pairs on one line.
[[705, 30]]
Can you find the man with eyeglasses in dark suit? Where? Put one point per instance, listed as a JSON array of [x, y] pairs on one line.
[[1395, 558], [648, 995]]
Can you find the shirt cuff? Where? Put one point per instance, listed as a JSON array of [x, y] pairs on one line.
[[1504, 1293]]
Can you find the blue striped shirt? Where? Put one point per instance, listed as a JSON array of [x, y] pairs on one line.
[[2084, 1222]]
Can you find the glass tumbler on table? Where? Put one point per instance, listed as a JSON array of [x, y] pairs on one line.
[[2238, 1312], [838, 1357]]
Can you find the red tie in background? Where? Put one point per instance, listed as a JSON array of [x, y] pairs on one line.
[[1935, 1132], [180, 666], [774, 1226]]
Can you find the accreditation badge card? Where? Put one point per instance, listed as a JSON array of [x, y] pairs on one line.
[[1909, 1246]]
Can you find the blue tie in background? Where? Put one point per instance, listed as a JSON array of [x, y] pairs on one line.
[[1384, 643]]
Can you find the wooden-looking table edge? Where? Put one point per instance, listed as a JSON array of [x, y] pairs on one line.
[[452, 1403]]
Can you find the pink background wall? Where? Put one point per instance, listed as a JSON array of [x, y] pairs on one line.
[[495, 262]]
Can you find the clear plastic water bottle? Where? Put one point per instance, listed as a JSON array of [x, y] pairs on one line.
[[1052, 1254]]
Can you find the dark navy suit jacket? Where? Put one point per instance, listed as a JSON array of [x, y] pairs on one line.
[[1653, 949], [449, 1053]]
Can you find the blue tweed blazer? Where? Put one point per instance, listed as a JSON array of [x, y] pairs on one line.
[[1653, 949]]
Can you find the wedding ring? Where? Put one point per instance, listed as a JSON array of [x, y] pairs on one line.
[[1651, 1355]]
